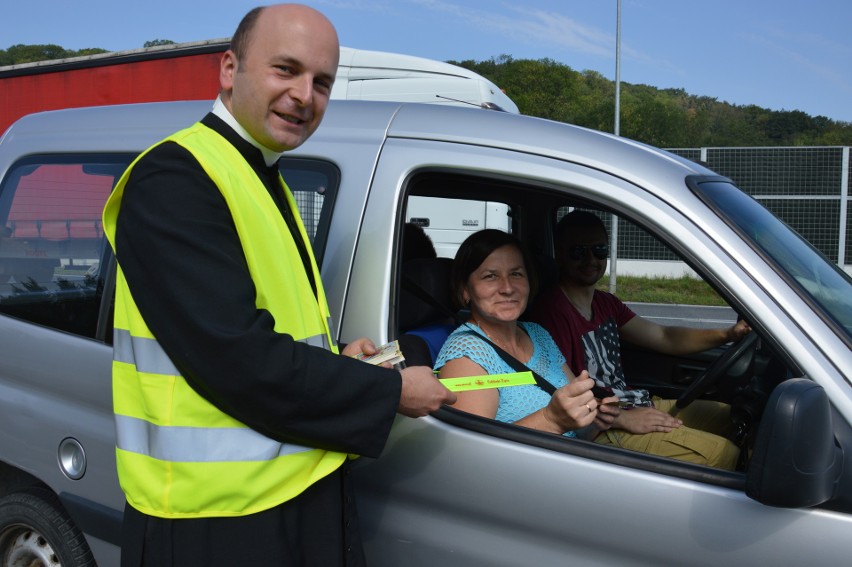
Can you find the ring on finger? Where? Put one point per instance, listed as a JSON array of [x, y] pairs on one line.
[[588, 407]]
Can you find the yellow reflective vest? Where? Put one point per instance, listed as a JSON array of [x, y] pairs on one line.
[[178, 456]]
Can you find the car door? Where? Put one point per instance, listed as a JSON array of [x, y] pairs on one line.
[[455, 489]]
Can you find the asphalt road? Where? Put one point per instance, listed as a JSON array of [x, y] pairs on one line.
[[686, 315]]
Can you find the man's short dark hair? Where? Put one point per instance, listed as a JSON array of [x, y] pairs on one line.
[[577, 220], [241, 37]]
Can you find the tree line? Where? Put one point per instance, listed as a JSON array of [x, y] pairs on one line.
[[667, 118], [21, 53]]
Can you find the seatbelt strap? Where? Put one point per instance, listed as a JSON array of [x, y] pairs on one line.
[[414, 288], [516, 364]]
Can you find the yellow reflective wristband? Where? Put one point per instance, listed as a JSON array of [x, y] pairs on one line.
[[466, 383]]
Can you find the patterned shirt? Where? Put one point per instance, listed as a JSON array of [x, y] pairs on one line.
[[593, 345]]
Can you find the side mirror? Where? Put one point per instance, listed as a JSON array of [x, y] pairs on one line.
[[796, 461]]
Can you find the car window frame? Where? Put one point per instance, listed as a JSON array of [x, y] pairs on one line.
[[643, 462], [118, 162]]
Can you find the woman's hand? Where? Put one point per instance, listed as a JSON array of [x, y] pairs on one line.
[[571, 407]]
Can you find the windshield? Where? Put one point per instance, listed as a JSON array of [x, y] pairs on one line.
[[820, 280]]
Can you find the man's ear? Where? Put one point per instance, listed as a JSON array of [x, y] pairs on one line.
[[227, 69]]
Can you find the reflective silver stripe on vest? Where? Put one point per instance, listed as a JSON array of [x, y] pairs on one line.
[[318, 341], [330, 326], [145, 354], [198, 444], [148, 356]]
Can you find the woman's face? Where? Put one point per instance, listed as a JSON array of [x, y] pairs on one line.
[[498, 289]]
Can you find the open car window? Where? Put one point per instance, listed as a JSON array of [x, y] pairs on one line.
[[639, 252]]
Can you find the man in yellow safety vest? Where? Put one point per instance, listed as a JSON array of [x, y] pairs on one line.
[[235, 414]]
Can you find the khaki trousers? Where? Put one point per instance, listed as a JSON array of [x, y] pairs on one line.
[[701, 439]]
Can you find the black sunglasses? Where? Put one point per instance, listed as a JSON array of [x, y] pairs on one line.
[[578, 252]]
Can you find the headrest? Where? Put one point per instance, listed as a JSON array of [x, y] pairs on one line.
[[547, 270], [432, 275]]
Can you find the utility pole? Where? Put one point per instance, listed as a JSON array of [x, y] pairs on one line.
[[617, 129], [613, 233]]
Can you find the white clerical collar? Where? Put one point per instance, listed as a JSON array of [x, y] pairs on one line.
[[222, 112]]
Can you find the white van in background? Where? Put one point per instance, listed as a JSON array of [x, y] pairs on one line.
[[378, 75], [449, 221]]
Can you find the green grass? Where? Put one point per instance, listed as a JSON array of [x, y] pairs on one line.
[[683, 290]]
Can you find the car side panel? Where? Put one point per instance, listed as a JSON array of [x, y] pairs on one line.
[[55, 386], [448, 495]]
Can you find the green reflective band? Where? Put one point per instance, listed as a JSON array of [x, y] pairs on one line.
[[198, 444], [484, 382]]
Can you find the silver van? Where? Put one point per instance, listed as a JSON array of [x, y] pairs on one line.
[[451, 489]]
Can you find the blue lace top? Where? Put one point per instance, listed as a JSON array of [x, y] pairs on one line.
[[516, 402]]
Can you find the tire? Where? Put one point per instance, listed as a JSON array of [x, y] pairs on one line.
[[35, 531]]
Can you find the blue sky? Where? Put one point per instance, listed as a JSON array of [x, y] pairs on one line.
[[779, 54]]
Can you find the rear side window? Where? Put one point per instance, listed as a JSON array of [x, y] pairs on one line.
[[448, 222], [53, 253], [314, 184], [52, 245]]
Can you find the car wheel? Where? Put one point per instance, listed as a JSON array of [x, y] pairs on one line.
[[36, 532]]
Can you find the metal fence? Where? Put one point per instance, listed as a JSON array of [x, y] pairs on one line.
[[806, 187]]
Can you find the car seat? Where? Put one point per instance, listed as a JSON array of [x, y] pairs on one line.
[[425, 309], [547, 271]]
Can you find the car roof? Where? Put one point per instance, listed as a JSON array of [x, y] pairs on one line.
[[631, 160], [133, 127]]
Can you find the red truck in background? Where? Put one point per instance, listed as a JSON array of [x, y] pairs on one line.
[[190, 71], [187, 71]]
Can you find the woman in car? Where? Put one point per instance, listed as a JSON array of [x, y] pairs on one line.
[[491, 278]]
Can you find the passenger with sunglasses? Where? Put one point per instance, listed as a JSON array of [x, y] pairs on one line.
[[588, 324]]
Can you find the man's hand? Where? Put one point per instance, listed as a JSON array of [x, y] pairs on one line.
[[608, 412], [646, 420], [358, 346], [422, 393], [737, 331]]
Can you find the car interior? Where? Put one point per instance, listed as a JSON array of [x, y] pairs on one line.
[[741, 374]]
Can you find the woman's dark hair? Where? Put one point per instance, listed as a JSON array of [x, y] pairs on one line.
[[475, 249], [241, 37]]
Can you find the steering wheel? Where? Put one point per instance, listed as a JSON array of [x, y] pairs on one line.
[[745, 346]]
